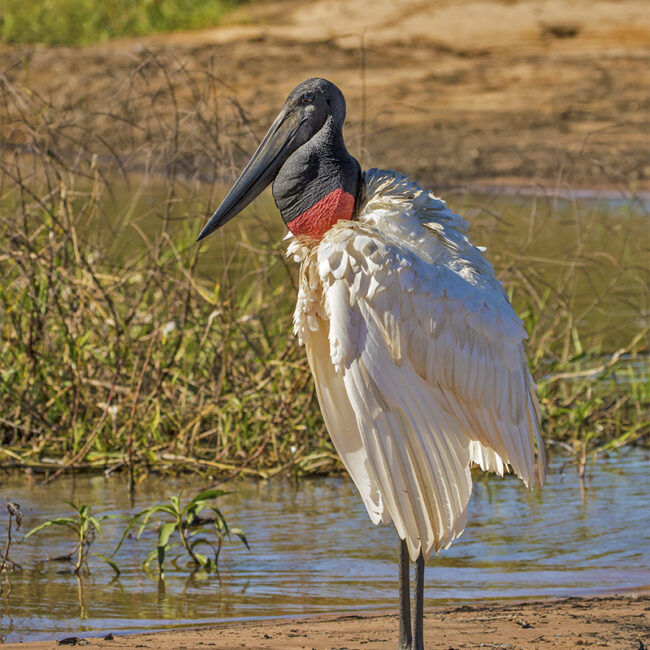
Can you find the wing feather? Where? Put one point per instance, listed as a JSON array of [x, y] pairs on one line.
[[340, 417]]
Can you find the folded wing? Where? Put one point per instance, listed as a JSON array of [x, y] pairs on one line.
[[418, 361]]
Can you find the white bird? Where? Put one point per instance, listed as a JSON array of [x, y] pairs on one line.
[[416, 351]]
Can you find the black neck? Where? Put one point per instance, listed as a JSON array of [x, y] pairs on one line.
[[320, 166]]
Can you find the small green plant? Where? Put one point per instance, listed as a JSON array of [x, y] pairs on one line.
[[84, 525], [191, 530]]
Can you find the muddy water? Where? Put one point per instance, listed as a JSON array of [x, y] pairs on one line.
[[313, 550], [588, 248]]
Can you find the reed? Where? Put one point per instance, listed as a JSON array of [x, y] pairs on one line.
[[122, 347]]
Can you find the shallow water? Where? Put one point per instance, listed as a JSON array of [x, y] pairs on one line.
[[313, 549], [588, 247]]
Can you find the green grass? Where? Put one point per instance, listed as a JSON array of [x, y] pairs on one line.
[[81, 22]]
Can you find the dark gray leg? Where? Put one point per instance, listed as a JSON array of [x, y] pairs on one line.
[[405, 638], [418, 622]]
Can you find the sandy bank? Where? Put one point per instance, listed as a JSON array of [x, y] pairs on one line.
[[534, 92], [610, 621]]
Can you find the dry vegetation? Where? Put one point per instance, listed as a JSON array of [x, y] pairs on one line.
[[119, 350], [112, 357]]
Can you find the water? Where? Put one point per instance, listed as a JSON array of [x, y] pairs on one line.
[[583, 253], [314, 550]]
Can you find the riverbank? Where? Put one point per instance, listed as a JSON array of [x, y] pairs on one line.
[[454, 94], [619, 621]]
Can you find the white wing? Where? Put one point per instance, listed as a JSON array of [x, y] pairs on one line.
[[418, 361]]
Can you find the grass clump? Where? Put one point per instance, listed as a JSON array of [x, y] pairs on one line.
[[126, 345], [81, 22]]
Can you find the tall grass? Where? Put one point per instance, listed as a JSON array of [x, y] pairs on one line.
[[144, 361], [81, 22], [118, 349], [124, 354]]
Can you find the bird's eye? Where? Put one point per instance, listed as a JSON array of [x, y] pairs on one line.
[[307, 98]]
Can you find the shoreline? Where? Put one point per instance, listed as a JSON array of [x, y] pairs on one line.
[[618, 620]]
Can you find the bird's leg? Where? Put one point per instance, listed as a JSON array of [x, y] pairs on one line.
[[405, 638], [418, 621]]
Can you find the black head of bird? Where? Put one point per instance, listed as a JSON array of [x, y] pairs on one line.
[[315, 180]]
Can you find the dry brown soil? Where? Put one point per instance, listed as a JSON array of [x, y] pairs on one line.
[[620, 622], [459, 93]]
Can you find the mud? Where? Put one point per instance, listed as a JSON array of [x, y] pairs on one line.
[[452, 93]]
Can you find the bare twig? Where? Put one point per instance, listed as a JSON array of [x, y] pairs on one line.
[[14, 513], [84, 449]]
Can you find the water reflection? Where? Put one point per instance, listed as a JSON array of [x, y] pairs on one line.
[[314, 550], [599, 240]]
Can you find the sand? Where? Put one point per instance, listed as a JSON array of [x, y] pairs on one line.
[[600, 622]]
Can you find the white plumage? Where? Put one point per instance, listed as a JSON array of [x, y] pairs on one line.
[[418, 360]]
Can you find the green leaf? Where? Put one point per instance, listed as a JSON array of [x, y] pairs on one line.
[[191, 511], [165, 533], [110, 562], [161, 507], [240, 534], [220, 521], [149, 512], [201, 541], [160, 551], [59, 521], [203, 559], [176, 504], [132, 522], [95, 523], [213, 493]]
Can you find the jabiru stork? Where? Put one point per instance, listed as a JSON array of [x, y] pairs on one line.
[[416, 352]]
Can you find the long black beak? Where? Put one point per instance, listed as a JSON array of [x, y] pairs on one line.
[[282, 139]]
